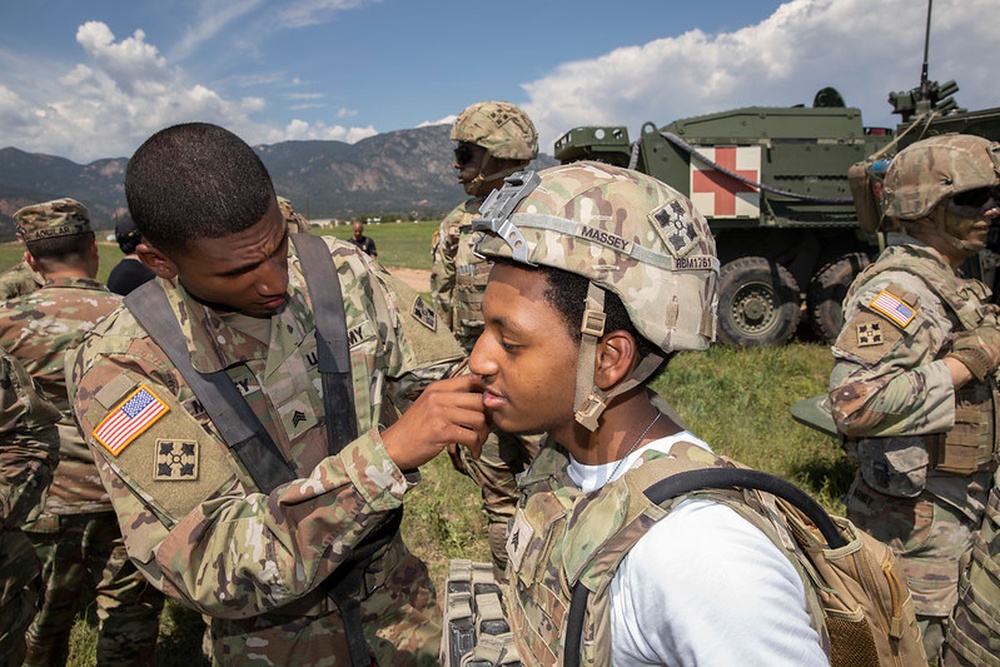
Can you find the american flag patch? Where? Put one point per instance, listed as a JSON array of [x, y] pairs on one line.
[[129, 420], [894, 308]]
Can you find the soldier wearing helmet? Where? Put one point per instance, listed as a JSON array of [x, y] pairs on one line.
[[913, 389], [600, 274], [495, 139]]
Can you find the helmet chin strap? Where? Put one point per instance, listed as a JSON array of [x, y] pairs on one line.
[[590, 401], [474, 187]]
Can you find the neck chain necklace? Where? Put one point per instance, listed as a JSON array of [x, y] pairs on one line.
[[631, 449]]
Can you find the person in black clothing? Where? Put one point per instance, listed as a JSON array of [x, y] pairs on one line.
[[364, 242], [130, 272]]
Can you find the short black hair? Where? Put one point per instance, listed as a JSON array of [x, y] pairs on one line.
[[567, 293], [63, 249], [195, 180]]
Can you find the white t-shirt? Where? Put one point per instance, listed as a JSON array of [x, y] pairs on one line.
[[704, 587]]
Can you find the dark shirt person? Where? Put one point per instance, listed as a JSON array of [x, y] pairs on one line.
[[130, 272], [364, 242]]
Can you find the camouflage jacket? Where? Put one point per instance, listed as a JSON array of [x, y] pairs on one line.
[[39, 329], [561, 536], [458, 277], [889, 381], [192, 518], [19, 279], [29, 446]]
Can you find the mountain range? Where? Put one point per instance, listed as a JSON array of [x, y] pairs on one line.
[[400, 174]]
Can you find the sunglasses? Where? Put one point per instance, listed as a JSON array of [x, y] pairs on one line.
[[976, 199], [465, 153]]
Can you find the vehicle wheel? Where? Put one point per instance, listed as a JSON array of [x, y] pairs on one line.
[[827, 290], [759, 303]]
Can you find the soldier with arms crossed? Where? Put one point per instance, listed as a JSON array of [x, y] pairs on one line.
[[286, 538], [913, 388], [607, 273]]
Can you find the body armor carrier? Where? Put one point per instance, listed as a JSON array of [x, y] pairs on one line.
[[970, 446], [561, 536]]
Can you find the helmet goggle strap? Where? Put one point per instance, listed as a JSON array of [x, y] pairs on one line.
[[482, 177], [495, 212], [590, 401]]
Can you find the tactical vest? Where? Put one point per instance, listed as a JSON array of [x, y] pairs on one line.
[[561, 536], [971, 445], [471, 275]]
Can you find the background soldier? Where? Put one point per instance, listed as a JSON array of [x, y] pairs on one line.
[[495, 139], [29, 450], [913, 386], [286, 535], [130, 272], [76, 537], [19, 279], [365, 243]]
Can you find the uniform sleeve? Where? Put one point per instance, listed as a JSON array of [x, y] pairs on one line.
[[888, 379], [704, 587], [29, 444], [201, 536], [443, 267]]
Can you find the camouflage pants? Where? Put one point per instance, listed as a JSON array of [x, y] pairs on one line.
[[401, 619], [19, 594], [503, 457], [974, 633], [88, 550], [932, 541]]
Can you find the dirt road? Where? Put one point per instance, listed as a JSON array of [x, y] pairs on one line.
[[418, 279]]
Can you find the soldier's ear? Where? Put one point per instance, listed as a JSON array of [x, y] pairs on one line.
[[616, 357], [157, 262]]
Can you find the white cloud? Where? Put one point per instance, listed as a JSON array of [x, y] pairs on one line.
[[213, 17], [302, 13], [344, 112], [864, 49], [124, 92], [447, 120]]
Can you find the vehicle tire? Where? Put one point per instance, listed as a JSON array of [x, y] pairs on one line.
[[827, 290], [759, 303]]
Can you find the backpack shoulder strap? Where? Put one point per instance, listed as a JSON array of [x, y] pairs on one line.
[[239, 427], [334, 350]]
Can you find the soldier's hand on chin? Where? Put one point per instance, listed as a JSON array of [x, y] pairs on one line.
[[447, 412]]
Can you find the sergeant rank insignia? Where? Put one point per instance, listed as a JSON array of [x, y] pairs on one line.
[[424, 314], [176, 460]]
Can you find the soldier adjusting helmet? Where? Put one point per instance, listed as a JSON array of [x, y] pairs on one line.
[[502, 128], [930, 171], [627, 233]]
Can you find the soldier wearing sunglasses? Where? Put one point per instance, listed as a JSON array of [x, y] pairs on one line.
[[913, 389]]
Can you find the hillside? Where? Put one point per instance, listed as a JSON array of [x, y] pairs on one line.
[[402, 173]]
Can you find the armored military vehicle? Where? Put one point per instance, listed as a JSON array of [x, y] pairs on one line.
[[773, 183]]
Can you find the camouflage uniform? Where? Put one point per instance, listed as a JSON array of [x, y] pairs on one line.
[[458, 281], [29, 448], [925, 450], [77, 534], [19, 279], [297, 224], [195, 522]]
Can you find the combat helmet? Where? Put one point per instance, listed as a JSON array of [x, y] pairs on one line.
[[627, 233], [929, 171], [502, 128]]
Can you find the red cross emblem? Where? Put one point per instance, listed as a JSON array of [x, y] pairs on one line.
[[713, 192]]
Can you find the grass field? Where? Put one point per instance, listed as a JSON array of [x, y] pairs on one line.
[[736, 400]]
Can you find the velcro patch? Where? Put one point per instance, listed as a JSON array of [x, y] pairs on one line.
[[176, 460], [869, 333], [894, 308], [424, 314], [868, 336], [518, 539], [140, 410]]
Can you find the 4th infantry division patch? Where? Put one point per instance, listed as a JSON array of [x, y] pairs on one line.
[[140, 410]]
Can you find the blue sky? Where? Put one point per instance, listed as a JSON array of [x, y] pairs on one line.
[[87, 80]]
